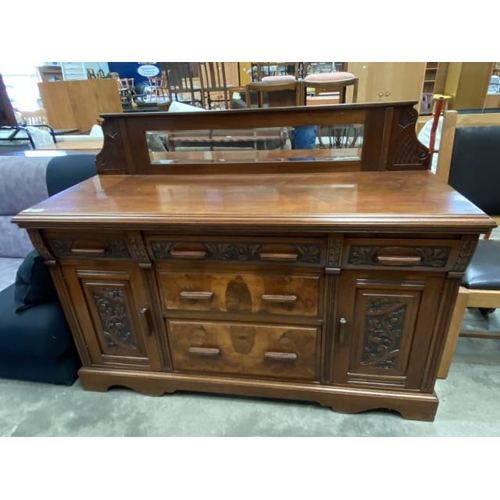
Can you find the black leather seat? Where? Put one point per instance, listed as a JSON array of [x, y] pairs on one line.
[[483, 272]]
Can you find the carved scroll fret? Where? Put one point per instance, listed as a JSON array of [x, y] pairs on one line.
[[111, 160], [113, 314], [382, 336], [240, 252], [410, 152]]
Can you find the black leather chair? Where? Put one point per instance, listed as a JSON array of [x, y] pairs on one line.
[[469, 155]]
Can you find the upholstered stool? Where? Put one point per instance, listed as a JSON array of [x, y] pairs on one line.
[[332, 82], [278, 79], [480, 288], [274, 91]]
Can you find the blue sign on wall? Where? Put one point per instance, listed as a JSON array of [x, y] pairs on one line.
[[140, 71]]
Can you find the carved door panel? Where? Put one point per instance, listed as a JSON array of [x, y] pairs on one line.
[[385, 324], [115, 316]]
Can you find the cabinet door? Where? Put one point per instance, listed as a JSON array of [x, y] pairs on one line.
[[388, 81], [114, 314], [385, 325]]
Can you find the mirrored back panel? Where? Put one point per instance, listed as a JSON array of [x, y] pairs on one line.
[[257, 145], [345, 137]]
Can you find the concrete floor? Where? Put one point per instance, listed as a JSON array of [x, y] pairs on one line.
[[469, 406]]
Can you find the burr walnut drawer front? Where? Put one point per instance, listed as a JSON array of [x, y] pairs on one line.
[[244, 349], [403, 253], [303, 251], [240, 293], [94, 245]]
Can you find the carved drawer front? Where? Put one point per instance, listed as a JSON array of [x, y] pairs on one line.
[[91, 245], [240, 293], [306, 251], [400, 253], [244, 349]]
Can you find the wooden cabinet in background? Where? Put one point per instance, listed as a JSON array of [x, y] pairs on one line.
[[467, 83], [387, 81], [78, 103]]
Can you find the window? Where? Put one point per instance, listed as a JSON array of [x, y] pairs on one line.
[[21, 80]]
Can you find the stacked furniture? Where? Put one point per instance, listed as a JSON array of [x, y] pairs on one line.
[[310, 277]]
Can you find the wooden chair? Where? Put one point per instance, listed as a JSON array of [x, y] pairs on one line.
[[274, 92], [126, 88], [261, 70], [468, 159], [34, 118], [215, 91], [158, 88], [38, 119], [181, 83]]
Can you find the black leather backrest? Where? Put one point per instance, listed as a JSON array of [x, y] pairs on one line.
[[475, 166], [66, 171]]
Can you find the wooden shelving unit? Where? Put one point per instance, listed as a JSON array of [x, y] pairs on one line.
[[434, 83]]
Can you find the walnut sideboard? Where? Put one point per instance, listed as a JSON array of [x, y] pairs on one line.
[[332, 287], [309, 280]]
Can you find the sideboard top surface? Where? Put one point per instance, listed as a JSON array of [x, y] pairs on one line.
[[364, 200]]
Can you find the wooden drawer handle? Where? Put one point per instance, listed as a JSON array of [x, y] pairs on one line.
[[279, 298], [188, 254], [399, 260], [281, 356], [197, 295], [279, 257], [88, 251], [204, 351]]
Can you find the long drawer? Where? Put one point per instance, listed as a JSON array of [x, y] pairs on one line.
[[286, 352], [305, 251], [264, 294]]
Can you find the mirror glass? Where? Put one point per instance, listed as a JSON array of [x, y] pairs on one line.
[[340, 142]]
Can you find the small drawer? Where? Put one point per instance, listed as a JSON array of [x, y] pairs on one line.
[[249, 293], [399, 253], [307, 251], [72, 244], [286, 352]]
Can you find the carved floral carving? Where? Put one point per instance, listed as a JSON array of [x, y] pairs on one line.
[[136, 244], [112, 310], [465, 255], [382, 335], [334, 252]]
